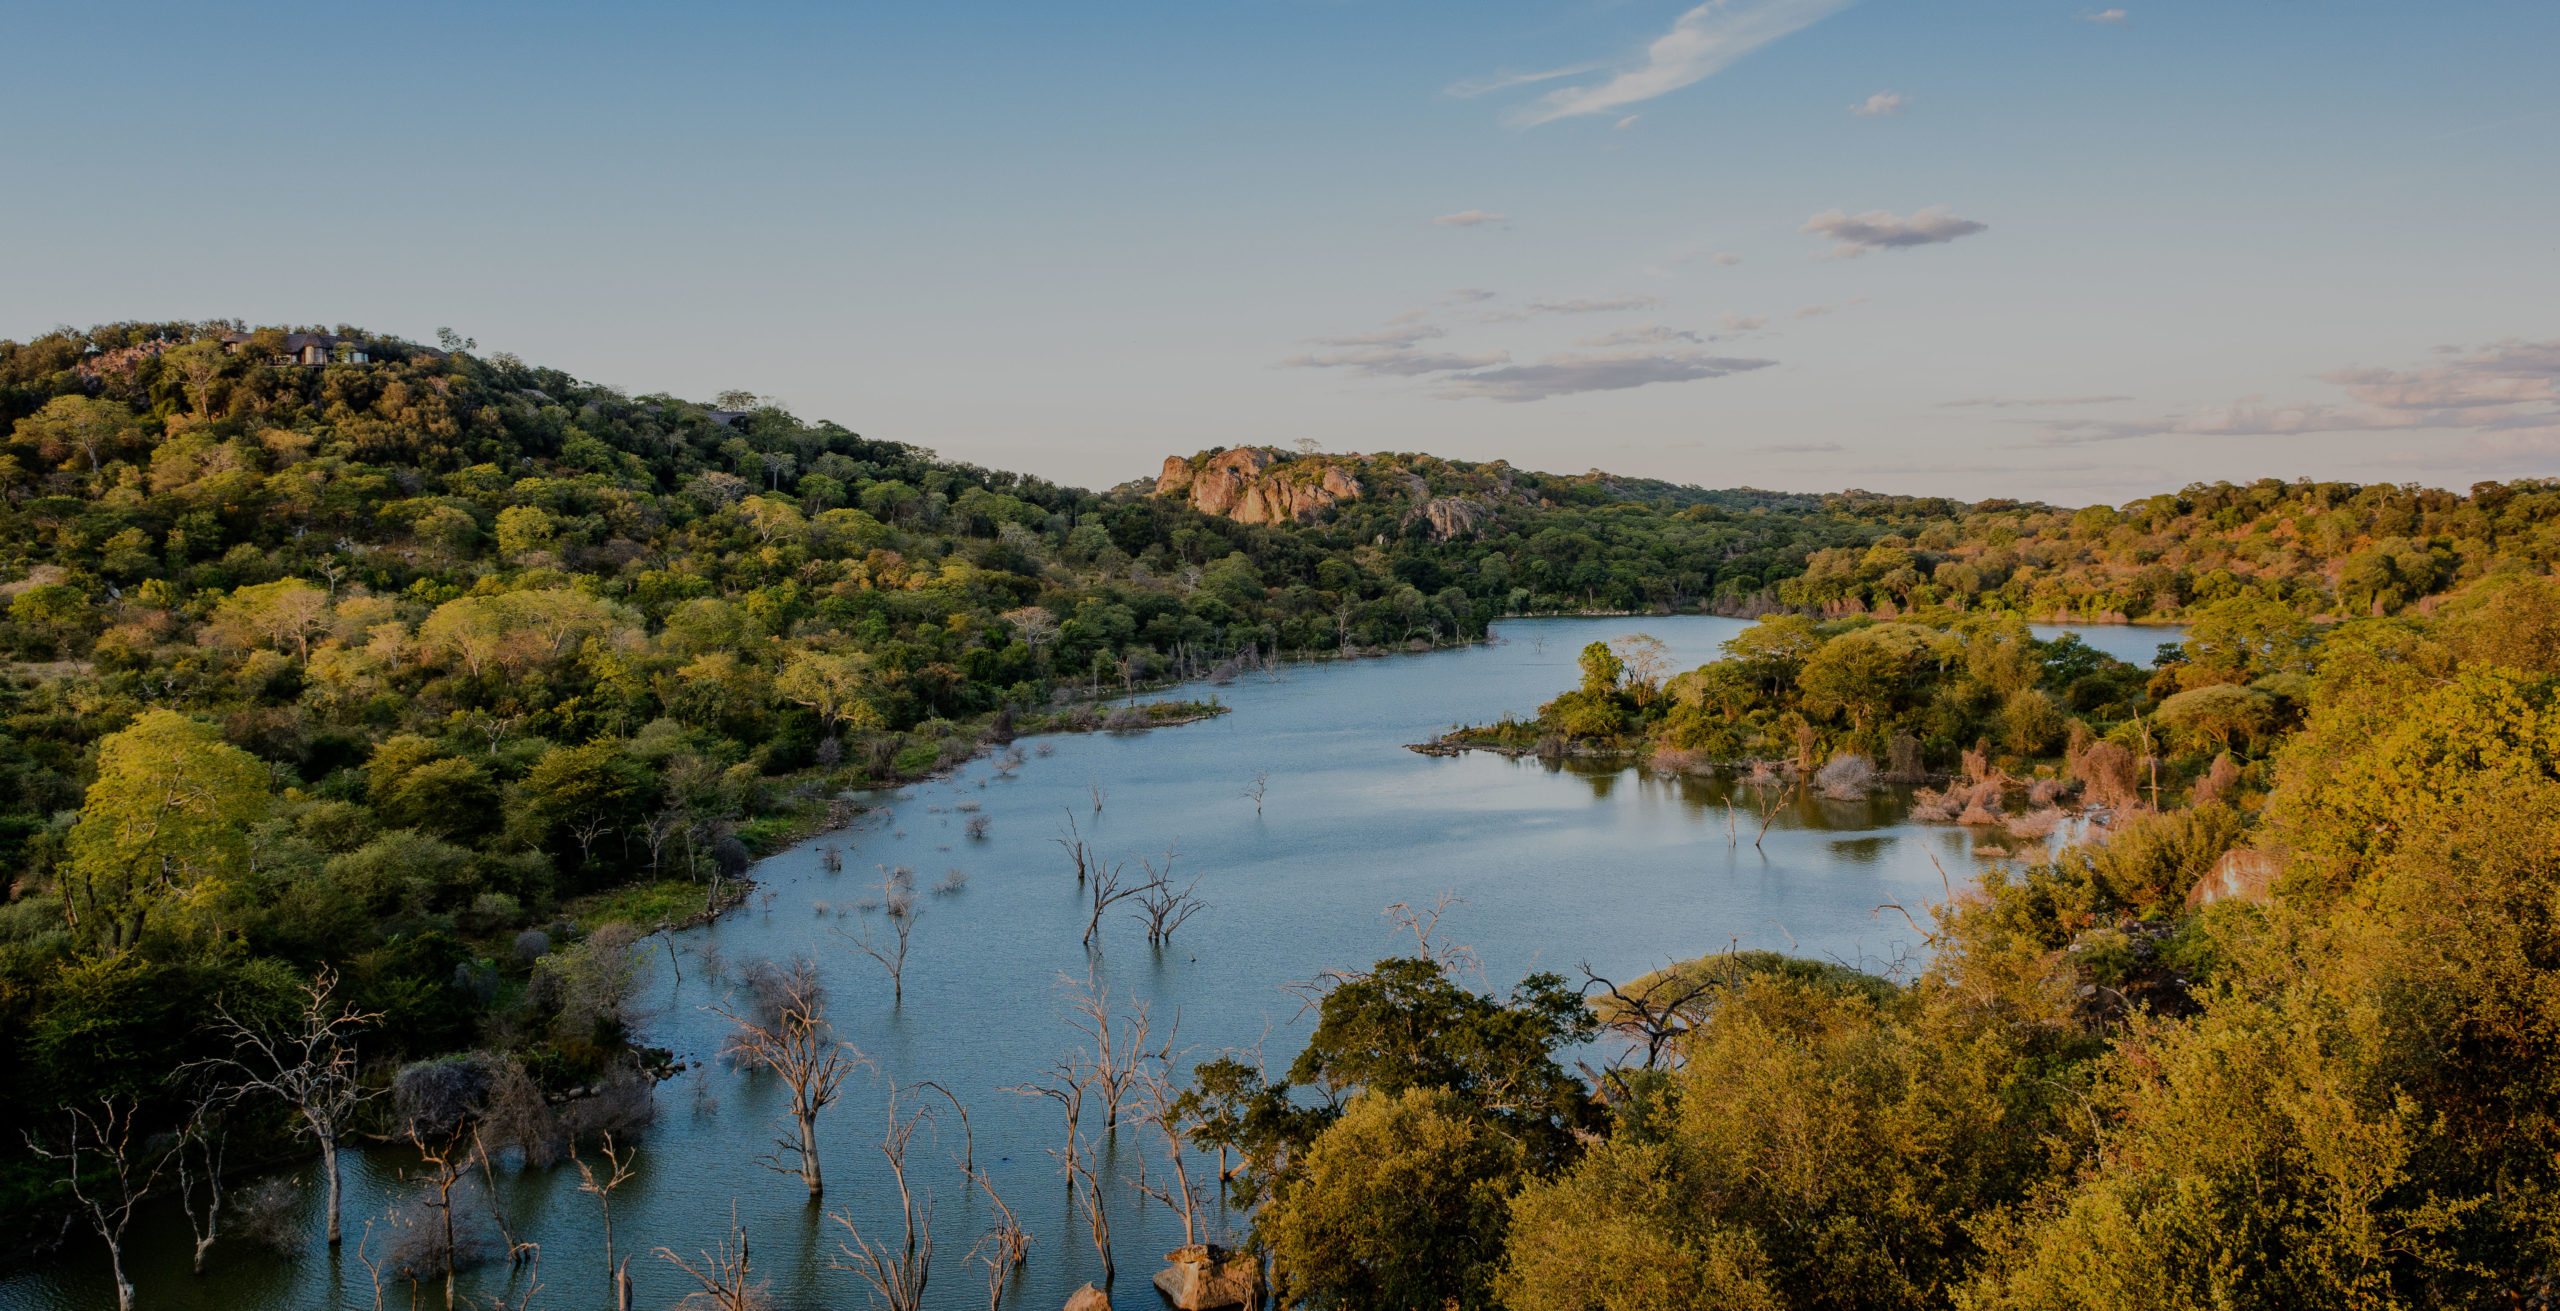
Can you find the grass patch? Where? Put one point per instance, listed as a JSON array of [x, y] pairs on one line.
[[648, 905]]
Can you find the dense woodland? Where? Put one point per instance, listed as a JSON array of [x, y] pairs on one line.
[[433, 680], [2121, 1080]]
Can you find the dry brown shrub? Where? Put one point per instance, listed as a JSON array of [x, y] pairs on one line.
[[2036, 824], [1847, 777], [2218, 782], [2109, 772]]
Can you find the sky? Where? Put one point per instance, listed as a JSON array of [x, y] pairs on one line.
[[2074, 252]]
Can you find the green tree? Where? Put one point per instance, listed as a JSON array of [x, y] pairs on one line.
[[1601, 669], [524, 528], [1400, 1204], [2247, 638], [165, 827], [1406, 1024], [73, 426], [2219, 715], [285, 613], [1855, 674], [588, 791], [834, 685]]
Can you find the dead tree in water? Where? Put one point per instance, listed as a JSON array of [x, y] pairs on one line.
[[310, 1066], [1104, 885], [1124, 1049], [899, 898], [111, 1182], [723, 1273], [1160, 1109], [617, 1174], [1162, 907], [1076, 849], [786, 1032], [1004, 1247], [203, 1135], [896, 1271]]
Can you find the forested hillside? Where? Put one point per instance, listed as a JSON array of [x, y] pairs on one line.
[[423, 651]]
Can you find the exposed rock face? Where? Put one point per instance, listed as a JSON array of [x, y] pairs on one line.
[[1452, 516], [1203, 1277], [1243, 485], [2241, 875], [1088, 1298]]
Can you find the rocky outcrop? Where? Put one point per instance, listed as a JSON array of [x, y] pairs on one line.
[[1453, 516], [2241, 875], [1088, 1298], [1252, 484], [1204, 1276]]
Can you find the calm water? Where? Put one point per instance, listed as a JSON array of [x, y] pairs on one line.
[[1555, 866]]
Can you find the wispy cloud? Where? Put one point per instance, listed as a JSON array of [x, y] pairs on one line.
[[2026, 402], [1648, 334], [2110, 17], [1569, 374], [2507, 394], [1883, 104], [1504, 81], [1467, 296], [1623, 124], [1579, 305], [1880, 229], [1395, 361], [1702, 43], [1728, 260], [1743, 322], [1403, 330], [1799, 448], [1468, 218]]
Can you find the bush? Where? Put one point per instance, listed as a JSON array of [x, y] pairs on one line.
[[1400, 1203]]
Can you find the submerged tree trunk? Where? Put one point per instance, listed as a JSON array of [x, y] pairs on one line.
[[329, 1168], [809, 1154]]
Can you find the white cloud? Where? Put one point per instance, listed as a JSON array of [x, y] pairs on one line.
[[1647, 334], [2011, 403], [1883, 104], [1743, 322], [1879, 229], [1623, 124], [1468, 218], [1579, 305], [1702, 43], [2110, 17], [1728, 260], [1568, 374], [2508, 394]]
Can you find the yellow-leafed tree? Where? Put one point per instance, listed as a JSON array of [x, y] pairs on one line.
[[164, 827]]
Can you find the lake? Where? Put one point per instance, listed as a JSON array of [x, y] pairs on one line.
[[1556, 865]]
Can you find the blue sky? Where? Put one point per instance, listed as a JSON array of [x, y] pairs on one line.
[[2148, 245]]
